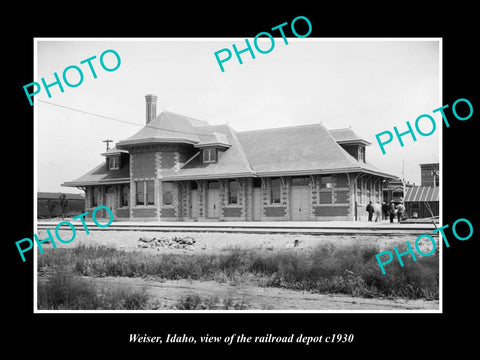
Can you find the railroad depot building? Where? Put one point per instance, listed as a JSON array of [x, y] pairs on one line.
[[177, 168]]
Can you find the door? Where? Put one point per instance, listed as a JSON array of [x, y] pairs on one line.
[[195, 204], [213, 200], [110, 198], [300, 203], [257, 204]]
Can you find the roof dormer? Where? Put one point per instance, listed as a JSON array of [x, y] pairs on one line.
[[211, 145], [115, 158], [351, 143]]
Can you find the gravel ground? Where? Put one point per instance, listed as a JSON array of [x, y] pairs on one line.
[[215, 242]]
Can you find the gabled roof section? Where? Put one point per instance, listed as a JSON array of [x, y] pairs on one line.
[[231, 163], [167, 127], [347, 136], [101, 175]]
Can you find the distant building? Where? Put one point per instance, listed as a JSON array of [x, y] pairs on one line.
[[423, 201], [393, 190], [430, 175]]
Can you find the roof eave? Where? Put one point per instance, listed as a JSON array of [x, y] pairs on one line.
[[156, 140], [212, 144], [323, 171], [96, 182], [277, 173], [207, 176], [354, 142], [116, 152]]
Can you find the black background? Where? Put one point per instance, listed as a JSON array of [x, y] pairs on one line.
[[382, 335]]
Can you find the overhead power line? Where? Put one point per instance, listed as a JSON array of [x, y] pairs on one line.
[[114, 119]]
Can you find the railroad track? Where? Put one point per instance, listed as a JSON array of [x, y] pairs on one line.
[[400, 230]]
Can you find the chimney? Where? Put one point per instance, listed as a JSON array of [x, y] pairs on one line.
[[151, 107]]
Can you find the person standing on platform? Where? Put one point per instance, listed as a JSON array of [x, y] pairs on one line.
[[392, 211], [400, 212], [385, 210], [370, 211], [377, 209]]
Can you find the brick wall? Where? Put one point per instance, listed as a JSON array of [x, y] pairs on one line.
[[272, 212], [275, 212], [144, 213], [331, 211], [235, 212], [333, 203], [143, 165], [241, 211]]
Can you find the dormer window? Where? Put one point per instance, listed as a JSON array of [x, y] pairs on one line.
[[361, 153], [114, 163], [209, 155]]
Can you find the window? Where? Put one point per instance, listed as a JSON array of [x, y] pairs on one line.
[[168, 160], [209, 155], [275, 191], [361, 153], [301, 181], [150, 192], [125, 197], [140, 194], [95, 196], [233, 192], [213, 185], [257, 183], [326, 182], [113, 163], [145, 192], [341, 181], [167, 191]]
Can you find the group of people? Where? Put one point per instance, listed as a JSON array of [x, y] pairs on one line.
[[385, 211]]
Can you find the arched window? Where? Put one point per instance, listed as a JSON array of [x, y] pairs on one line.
[[95, 196]]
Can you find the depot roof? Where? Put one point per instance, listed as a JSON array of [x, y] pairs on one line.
[[168, 127], [286, 151]]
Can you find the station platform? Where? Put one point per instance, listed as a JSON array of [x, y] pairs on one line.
[[300, 227]]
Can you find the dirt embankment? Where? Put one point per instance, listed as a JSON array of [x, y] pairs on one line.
[[171, 292]]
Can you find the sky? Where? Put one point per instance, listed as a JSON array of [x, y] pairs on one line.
[[370, 85]]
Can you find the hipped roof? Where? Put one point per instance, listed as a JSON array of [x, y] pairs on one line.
[[287, 151], [101, 175], [167, 127]]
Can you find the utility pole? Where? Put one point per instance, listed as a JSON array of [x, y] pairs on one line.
[[108, 141]]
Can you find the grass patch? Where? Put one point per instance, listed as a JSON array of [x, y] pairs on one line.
[[65, 291], [195, 302], [328, 268]]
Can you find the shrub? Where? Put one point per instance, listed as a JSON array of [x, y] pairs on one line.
[[65, 291]]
